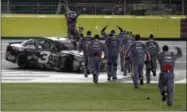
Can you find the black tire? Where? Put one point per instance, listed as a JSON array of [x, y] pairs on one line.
[[22, 60], [67, 65]]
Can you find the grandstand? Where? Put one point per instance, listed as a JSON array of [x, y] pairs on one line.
[[137, 7]]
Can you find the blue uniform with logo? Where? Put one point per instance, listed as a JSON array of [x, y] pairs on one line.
[[154, 50], [166, 78], [95, 49], [127, 42], [83, 44], [121, 37], [112, 45], [71, 19], [138, 55]]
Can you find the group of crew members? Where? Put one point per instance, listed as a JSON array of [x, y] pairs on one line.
[[133, 54]]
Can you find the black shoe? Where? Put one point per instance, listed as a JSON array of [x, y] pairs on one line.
[[121, 69], [114, 78], [129, 71], [148, 82], [141, 80], [164, 96], [154, 73], [85, 75], [88, 72], [95, 80], [136, 87], [124, 74], [169, 103], [109, 79]]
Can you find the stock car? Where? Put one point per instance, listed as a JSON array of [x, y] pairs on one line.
[[53, 53]]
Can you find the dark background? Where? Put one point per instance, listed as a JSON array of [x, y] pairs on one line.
[[135, 7]]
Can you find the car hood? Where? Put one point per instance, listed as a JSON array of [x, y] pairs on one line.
[[73, 52]]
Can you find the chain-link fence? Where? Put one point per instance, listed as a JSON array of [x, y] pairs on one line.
[[115, 7]]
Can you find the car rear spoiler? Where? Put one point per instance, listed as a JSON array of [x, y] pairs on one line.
[[14, 43]]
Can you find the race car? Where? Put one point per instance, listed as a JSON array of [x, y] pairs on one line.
[[53, 53]]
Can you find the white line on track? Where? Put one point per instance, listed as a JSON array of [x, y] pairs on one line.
[[53, 77]]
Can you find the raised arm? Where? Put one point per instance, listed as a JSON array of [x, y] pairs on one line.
[[120, 29], [179, 52], [103, 33], [66, 7], [78, 13]]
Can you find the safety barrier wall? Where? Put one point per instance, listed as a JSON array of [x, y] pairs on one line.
[[55, 25]]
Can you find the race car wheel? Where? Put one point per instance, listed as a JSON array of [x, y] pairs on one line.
[[61, 64], [66, 64], [22, 60]]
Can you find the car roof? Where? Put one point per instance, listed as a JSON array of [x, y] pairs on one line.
[[58, 38]]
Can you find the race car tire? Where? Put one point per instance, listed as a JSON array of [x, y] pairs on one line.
[[22, 60], [68, 64]]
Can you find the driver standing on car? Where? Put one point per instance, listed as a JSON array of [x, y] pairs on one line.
[[83, 43]]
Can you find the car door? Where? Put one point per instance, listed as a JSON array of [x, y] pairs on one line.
[[43, 49], [47, 53], [31, 50]]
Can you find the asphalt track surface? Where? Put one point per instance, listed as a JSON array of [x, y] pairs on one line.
[[12, 74]]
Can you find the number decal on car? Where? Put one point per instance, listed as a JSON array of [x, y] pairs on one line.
[[44, 57]]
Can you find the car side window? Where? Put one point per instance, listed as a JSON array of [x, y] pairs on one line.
[[29, 44], [53, 48], [40, 44], [44, 45]]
